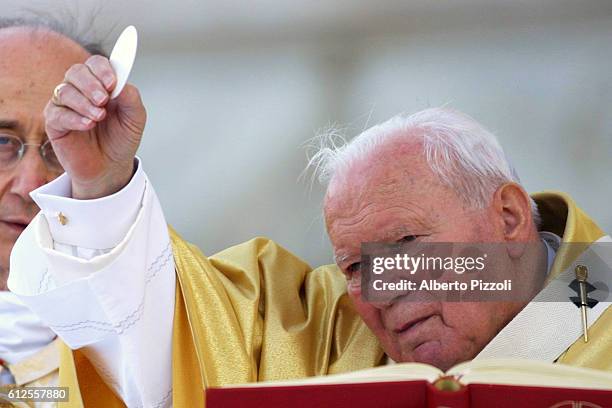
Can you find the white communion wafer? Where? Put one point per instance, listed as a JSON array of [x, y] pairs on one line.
[[122, 57]]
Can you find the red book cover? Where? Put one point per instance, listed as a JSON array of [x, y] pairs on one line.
[[401, 394], [406, 394], [504, 383]]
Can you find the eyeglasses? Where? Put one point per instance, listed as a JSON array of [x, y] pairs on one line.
[[12, 150]]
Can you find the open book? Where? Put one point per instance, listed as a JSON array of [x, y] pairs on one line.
[[487, 383]]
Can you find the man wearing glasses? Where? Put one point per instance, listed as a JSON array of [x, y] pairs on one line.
[[33, 57]]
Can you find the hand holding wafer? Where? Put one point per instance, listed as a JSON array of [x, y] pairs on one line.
[[95, 121]]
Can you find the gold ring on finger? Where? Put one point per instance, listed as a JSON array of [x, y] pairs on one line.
[[55, 99]]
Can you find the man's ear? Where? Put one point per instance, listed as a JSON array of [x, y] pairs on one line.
[[513, 206]]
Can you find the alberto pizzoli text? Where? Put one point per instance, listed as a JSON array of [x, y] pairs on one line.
[[434, 285]]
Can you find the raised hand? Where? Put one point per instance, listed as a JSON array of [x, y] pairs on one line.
[[95, 138]]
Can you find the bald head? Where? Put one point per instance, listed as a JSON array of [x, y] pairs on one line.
[[37, 54], [32, 62]]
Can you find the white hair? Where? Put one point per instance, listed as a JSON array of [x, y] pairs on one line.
[[460, 152]]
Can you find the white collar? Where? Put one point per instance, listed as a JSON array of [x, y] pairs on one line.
[[552, 243], [543, 330]]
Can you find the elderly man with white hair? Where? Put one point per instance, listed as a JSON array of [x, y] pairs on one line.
[[439, 176], [150, 320]]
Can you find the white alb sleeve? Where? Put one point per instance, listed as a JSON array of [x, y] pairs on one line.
[[100, 273]]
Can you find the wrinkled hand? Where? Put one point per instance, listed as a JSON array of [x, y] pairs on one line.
[[95, 138]]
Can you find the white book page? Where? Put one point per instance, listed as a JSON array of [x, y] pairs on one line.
[[388, 373], [530, 373], [497, 371]]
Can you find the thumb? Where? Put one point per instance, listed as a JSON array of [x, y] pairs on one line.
[[130, 109]]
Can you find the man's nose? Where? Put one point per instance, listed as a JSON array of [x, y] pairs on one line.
[[30, 173], [385, 300]]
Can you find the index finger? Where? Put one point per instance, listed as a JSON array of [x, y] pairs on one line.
[[100, 66]]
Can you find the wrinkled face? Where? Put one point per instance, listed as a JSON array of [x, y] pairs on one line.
[[31, 65], [395, 197]]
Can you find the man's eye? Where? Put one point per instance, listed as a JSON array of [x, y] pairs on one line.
[[408, 238], [8, 145], [354, 267]]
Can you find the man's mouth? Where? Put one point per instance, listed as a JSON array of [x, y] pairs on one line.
[[15, 226], [411, 325]]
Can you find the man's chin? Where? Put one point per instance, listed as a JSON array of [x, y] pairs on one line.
[[10, 231], [431, 353], [3, 278], [5, 251]]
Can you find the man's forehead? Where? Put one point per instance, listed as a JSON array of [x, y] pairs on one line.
[[394, 170], [37, 50], [32, 63]]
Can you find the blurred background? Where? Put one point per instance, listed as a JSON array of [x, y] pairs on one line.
[[235, 89]]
